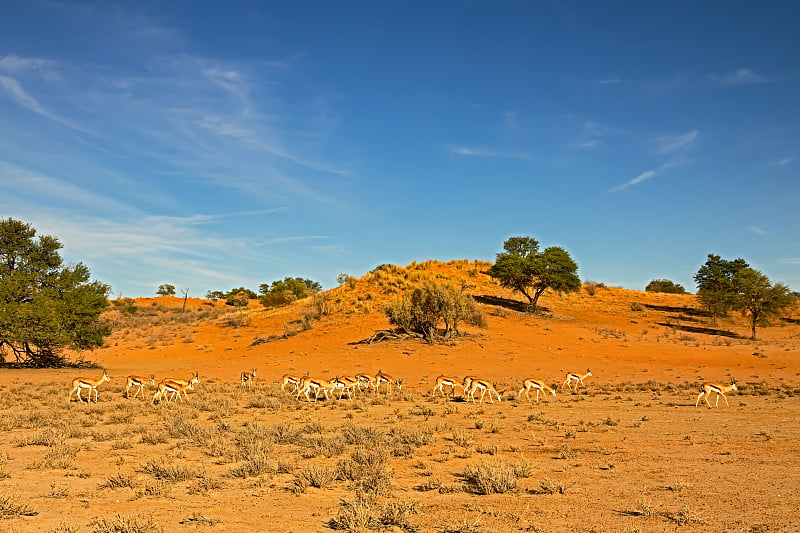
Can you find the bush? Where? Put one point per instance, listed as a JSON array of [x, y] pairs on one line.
[[665, 285], [434, 304], [286, 291]]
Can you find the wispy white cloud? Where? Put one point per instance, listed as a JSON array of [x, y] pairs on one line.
[[783, 162], [757, 230], [23, 182], [480, 151], [610, 81], [644, 176], [18, 94], [743, 76], [668, 144]]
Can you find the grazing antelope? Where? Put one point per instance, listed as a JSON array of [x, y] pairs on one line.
[[79, 384], [139, 382], [168, 386], [248, 378], [195, 379], [467, 383], [577, 378], [445, 381], [308, 384], [343, 384], [531, 383], [708, 388], [366, 381], [291, 379], [483, 386], [381, 378]]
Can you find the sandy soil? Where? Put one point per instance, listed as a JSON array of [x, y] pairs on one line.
[[629, 452]]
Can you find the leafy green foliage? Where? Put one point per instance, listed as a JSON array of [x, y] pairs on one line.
[[665, 285], [715, 284], [434, 310], [166, 290], [45, 305], [758, 298], [732, 285], [524, 268], [283, 292]]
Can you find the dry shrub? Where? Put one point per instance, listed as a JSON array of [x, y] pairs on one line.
[[118, 480], [490, 477], [11, 506], [160, 469], [313, 476], [126, 524]]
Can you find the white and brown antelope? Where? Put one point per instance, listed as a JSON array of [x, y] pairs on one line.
[[343, 384], [576, 378], [294, 381], [79, 384], [381, 378], [445, 381], [168, 386], [307, 384], [467, 382], [365, 381], [139, 382], [483, 386], [194, 380], [248, 378], [537, 384], [708, 388]]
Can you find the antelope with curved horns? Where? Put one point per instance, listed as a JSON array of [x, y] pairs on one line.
[[709, 387], [78, 384], [577, 378]]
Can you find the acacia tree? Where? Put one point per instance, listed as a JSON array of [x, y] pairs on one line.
[[44, 305], [166, 289], [524, 268], [715, 284], [758, 298]]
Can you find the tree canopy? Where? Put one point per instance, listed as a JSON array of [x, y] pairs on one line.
[[282, 292], [166, 290], [715, 284], [758, 298], [524, 268], [45, 306]]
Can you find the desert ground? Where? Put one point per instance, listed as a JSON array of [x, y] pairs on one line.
[[627, 451]]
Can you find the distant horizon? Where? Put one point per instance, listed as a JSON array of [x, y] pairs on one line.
[[222, 145]]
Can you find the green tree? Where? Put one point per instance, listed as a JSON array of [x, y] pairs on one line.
[[44, 305], [215, 295], [758, 298], [282, 292], [434, 310], [715, 285], [166, 290], [665, 285], [524, 268]]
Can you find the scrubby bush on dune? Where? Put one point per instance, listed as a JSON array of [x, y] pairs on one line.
[[434, 310]]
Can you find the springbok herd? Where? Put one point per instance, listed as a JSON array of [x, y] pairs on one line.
[[167, 390]]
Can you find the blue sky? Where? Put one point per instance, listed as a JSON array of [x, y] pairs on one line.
[[215, 145]]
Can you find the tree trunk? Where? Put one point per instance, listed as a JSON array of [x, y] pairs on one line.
[[535, 301]]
